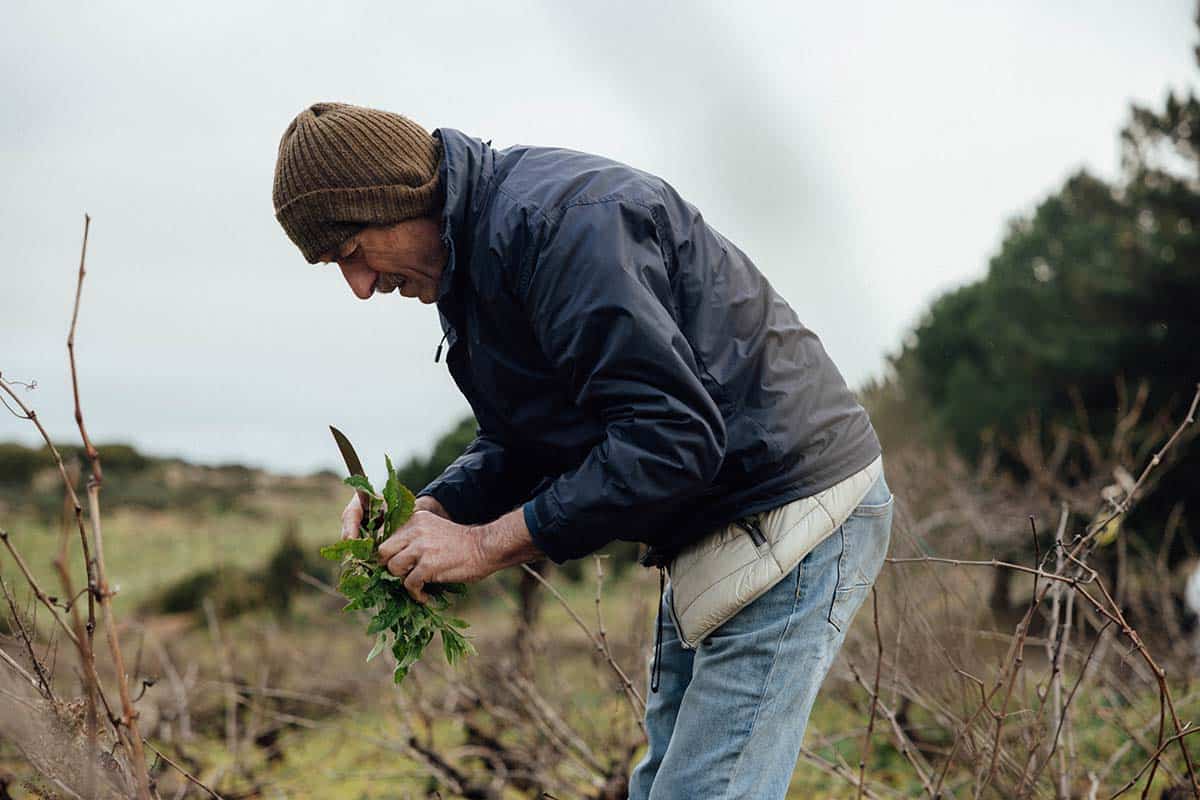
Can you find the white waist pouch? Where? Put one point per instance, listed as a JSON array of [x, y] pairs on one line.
[[719, 575]]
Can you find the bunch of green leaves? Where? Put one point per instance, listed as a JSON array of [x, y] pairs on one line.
[[369, 586]]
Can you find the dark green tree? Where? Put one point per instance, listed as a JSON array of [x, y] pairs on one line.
[[419, 471], [1100, 284], [1051, 317]]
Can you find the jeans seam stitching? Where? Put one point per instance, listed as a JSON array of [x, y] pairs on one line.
[[761, 695]]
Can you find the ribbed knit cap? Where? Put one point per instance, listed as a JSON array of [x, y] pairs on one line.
[[342, 167]]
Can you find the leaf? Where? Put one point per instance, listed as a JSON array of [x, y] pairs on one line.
[[368, 585], [391, 490], [384, 619], [380, 643], [359, 548], [403, 651], [454, 646], [360, 483], [402, 511], [334, 552], [353, 584]]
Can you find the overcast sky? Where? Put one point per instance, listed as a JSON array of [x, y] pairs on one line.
[[865, 155]]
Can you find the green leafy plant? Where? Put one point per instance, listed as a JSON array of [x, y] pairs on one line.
[[369, 586]]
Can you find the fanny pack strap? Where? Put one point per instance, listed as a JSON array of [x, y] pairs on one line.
[[656, 667]]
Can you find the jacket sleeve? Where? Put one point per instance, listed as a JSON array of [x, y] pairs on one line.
[[485, 482], [598, 297]]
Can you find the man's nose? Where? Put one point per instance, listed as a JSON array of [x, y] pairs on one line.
[[361, 279]]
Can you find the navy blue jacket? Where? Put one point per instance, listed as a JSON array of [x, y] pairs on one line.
[[634, 376]]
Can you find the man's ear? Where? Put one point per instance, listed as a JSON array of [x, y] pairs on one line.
[[347, 248]]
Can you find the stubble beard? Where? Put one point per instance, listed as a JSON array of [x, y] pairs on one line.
[[388, 282]]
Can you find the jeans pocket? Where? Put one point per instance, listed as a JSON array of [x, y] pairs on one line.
[[864, 543]]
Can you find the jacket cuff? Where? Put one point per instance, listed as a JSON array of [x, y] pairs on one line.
[[540, 520], [450, 500], [561, 540]]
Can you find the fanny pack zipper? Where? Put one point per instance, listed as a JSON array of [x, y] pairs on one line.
[[751, 527], [754, 531]]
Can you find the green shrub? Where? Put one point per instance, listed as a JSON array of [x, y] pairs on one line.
[[18, 463], [232, 591], [280, 580], [236, 590]]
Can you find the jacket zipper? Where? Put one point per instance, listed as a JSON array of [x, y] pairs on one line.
[[437, 354]]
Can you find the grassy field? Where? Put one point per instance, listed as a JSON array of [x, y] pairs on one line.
[[336, 726]]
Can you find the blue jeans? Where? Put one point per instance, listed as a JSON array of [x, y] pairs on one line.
[[729, 717]]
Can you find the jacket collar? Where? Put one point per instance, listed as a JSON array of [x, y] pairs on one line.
[[466, 171]]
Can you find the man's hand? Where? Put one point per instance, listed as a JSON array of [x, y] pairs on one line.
[[353, 513], [432, 549]]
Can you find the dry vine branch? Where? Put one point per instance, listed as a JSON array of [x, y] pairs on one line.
[[904, 741], [1179, 737], [1072, 578], [1125, 504], [82, 635], [635, 698], [43, 680], [187, 775], [100, 580], [35, 587], [840, 771], [866, 747]]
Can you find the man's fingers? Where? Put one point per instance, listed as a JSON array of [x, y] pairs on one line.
[[414, 583], [393, 545], [401, 538], [352, 518], [401, 563], [405, 565]]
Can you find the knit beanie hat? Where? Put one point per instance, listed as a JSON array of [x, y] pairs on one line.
[[342, 167]]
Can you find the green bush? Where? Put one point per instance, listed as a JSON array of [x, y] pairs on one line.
[[280, 581], [237, 590], [18, 463], [232, 591], [419, 472]]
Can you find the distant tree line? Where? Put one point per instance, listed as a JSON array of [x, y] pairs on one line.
[[1099, 285]]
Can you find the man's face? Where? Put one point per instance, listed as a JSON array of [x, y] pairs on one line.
[[408, 256]]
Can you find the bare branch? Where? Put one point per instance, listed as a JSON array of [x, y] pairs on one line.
[[189, 776], [866, 747], [639, 705], [43, 680]]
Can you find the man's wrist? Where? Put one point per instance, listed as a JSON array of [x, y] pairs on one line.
[[428, 502], [505, 542]]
